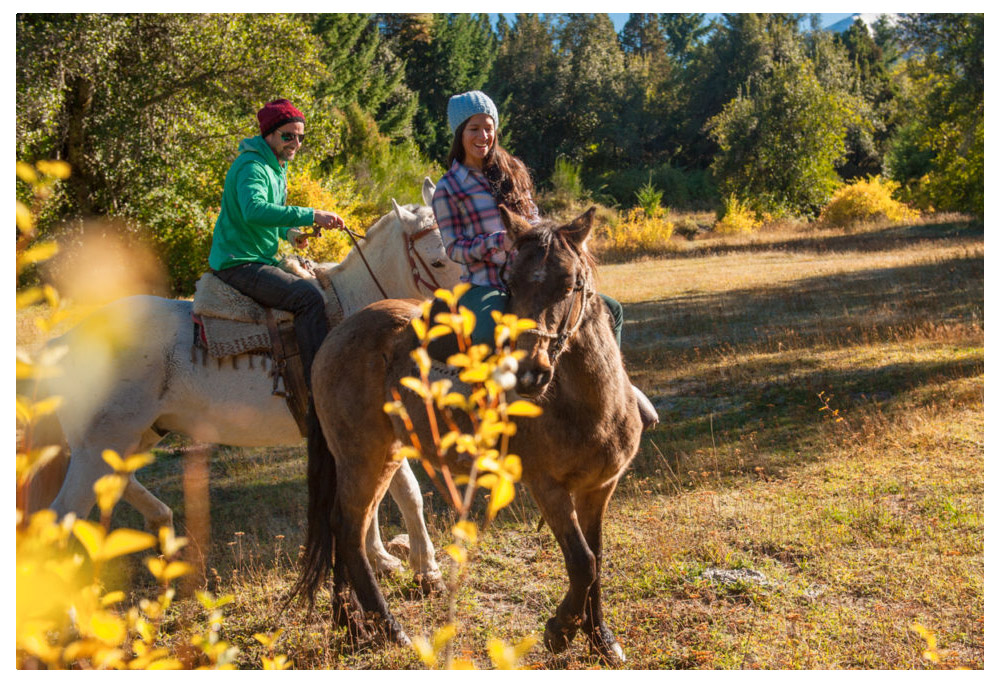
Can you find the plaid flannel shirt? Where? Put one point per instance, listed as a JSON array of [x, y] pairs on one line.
[[470, 224]]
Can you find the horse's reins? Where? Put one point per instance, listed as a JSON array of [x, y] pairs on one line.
[[411, 253], [354, 239]]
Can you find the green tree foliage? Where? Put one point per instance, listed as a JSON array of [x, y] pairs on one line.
[[136, 102], [148, 110], [591, 79], [870, 80], [683, 33], [642, 36], [449, 54], [939, 155], [528, 103], [362, 69], [741, 50], [781, 140]]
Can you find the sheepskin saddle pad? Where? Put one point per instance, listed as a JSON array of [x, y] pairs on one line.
[[233, 323]]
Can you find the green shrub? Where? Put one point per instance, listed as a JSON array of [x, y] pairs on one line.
[[650, 199], [567, 187], [682, 189], [180, 231]]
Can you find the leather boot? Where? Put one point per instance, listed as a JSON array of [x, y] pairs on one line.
[[650, 417]]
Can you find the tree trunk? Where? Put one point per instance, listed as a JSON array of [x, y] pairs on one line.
[[79, 101]]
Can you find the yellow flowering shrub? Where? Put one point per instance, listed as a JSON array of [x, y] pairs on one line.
[[490, 372], [866, 200], [65, 617], [737, 218], [637, 232]]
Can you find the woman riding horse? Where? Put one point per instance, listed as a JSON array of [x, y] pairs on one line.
[[482, 177]]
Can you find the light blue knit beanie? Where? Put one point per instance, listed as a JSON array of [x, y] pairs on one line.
[[463, 106]]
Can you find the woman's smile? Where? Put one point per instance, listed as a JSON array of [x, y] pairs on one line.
[[478, 139]]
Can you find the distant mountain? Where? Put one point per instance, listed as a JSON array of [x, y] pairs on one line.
[[869, 19]]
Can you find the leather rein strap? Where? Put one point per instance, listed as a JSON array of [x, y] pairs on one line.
[[354, 240], [412, 255]]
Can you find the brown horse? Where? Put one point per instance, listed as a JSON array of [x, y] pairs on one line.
[[572, 455]]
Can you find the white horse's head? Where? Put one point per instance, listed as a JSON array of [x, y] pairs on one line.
[[403, 251], [429, 263]]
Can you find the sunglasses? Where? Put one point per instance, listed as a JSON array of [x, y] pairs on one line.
[[289, 136]]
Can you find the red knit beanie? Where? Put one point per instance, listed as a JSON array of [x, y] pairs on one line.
[[277, 113]]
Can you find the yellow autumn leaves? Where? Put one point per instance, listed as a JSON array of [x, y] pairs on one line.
[[489, 374]]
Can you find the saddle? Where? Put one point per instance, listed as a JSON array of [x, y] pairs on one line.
[[228, 323]]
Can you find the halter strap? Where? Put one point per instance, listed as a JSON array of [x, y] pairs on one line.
[[566, 331], [414, 257]]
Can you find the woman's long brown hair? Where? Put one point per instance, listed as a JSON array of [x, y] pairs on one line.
[[510, 181]]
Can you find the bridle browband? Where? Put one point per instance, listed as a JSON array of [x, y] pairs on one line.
[[585, 290]]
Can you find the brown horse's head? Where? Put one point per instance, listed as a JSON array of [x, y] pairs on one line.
[[551, 282]]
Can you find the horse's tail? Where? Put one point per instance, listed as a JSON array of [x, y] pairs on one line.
[[322, 482]]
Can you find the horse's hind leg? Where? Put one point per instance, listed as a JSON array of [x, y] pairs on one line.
[[406, 492], [557, 508], [155, 512], [378, 556], [590, 508], [86, 466]]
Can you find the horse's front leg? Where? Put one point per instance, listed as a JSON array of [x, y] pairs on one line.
[[558, 510], [591, 506], [357, 494], [155, 512]]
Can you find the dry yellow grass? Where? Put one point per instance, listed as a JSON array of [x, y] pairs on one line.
[[822, 402]]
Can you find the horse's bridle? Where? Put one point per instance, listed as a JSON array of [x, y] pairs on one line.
[[585, 291], [415, 259]]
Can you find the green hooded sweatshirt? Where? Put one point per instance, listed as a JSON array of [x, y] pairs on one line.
[[254, 215]]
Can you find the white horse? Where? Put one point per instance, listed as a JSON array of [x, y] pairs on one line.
[[127, 394]]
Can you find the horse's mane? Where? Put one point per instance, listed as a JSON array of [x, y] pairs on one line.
[[547, 232]]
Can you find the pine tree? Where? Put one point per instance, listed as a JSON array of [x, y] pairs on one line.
[[363, 70]]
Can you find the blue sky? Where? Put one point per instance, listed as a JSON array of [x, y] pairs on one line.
[[619, 19]]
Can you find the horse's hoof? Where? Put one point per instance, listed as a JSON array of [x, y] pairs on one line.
[[431, 583], [603, 642], [612, 654], [387, 564], [393, 632], [558, 636]]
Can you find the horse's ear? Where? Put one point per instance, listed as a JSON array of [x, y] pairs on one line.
[[396, 209], [427, 191], [578, 230], [516, 225]]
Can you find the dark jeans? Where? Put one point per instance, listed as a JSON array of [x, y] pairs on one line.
[[482, 300], [274, 287]]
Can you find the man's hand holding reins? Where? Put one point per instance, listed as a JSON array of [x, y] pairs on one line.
[[322, 219]]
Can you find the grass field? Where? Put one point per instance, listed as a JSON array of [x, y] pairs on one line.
[[821, 397]]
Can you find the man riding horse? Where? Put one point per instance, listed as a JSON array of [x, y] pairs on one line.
[[254, 218]]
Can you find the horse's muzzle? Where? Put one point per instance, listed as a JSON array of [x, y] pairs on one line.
[[534, 374]]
